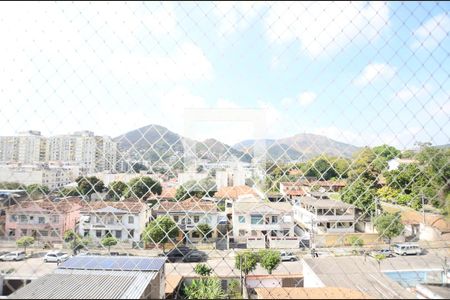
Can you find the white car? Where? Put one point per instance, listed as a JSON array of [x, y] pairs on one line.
[[287, 256], [15, 255], [55, 257]]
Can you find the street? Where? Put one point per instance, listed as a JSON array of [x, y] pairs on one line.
[[224, 266]]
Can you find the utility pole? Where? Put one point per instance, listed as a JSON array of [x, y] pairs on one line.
[[423, 209]]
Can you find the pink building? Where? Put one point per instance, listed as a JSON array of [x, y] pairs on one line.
[[43, 219]]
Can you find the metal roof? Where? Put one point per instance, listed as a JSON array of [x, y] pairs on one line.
[[113, 263], [79, 284]]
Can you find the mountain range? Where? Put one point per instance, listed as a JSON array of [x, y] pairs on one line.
[[155, 142]]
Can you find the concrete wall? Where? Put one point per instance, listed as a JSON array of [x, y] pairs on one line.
[[310, 279], [336, 240], [284, 243], [256, 243]]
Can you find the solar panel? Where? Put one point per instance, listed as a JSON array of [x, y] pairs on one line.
[[113, 263]]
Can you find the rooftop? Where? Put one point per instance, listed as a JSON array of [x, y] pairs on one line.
[[113, 263], [354, 273], [325, 203], [191, 204], [309, 293], [115, 206], [234, 192], [87, 284], [61, 206], [255, 205]]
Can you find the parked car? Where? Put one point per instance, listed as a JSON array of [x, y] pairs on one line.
[[195, 256], [405, 249], [177, 254], [13, 256], [385, 252], [287, 256], [54, 256]]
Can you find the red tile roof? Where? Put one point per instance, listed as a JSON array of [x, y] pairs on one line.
[[191, 204], [234, 192], [133, 206]]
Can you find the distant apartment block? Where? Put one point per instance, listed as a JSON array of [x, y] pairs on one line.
[[43, 219], [230, 177], [92, 153], [53, 176], [124, 220], [27, 147]]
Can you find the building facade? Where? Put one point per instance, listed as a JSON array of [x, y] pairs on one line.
[[324, 215], [42, 219], [124, 220]]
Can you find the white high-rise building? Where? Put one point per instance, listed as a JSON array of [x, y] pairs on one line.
[[230, 177], [27, 147], [91, 153]]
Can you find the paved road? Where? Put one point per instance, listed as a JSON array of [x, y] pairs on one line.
[[434, 259]]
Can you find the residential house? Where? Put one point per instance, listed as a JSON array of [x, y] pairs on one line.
[[124, 220], [43, 219], [292, 189], [189, 213], [227, 195], [324, 215], [308, 293], [303, 187], [262, 224]]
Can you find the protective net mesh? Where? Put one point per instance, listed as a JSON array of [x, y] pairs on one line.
[[224, 150]]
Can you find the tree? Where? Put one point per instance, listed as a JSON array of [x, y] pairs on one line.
[[361, 194], [75, 241], [389, 226], [386, 151], [37, 190], [140, 186], [356, 241], [66, 192], [379, 257], [204, 230], [12, 186], [269, 260], [138, 167], [198, 189], [204, 288], [387, 193], [89, 185], [246, 261], [160, 231], [109, 241], [117, 189], [25, 242], [203, 270]]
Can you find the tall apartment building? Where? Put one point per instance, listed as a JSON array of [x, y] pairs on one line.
[[27, 147], [92, 153], [230, 177]]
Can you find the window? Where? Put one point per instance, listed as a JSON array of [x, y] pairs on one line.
[[254, 233], [195, 234], [44, 233], [241, 219], [196, 219], [12, 232], [274, 219], [175, 218], [24, 232], [31, 218], [130, 220], [13, 218], [23, 219], [98, 233], [41, 220], [86, 233], [54, 218], [242, 232], [118, 234], [256, 219], [54, 233], [131, 234]]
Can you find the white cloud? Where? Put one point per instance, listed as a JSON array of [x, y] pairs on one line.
[[286, 102], [375, 72], [432, 32], [306, 98], [324, 27], [188, 62], [410, 92]]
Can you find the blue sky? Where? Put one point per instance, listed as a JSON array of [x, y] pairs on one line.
[[362, 73]]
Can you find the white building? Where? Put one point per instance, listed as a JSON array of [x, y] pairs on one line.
[[190, 213], [230, 177], [190, 176], [27, 147], [52, 176], [124, 220], [394, 163], [262, 223], [324, 215]]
